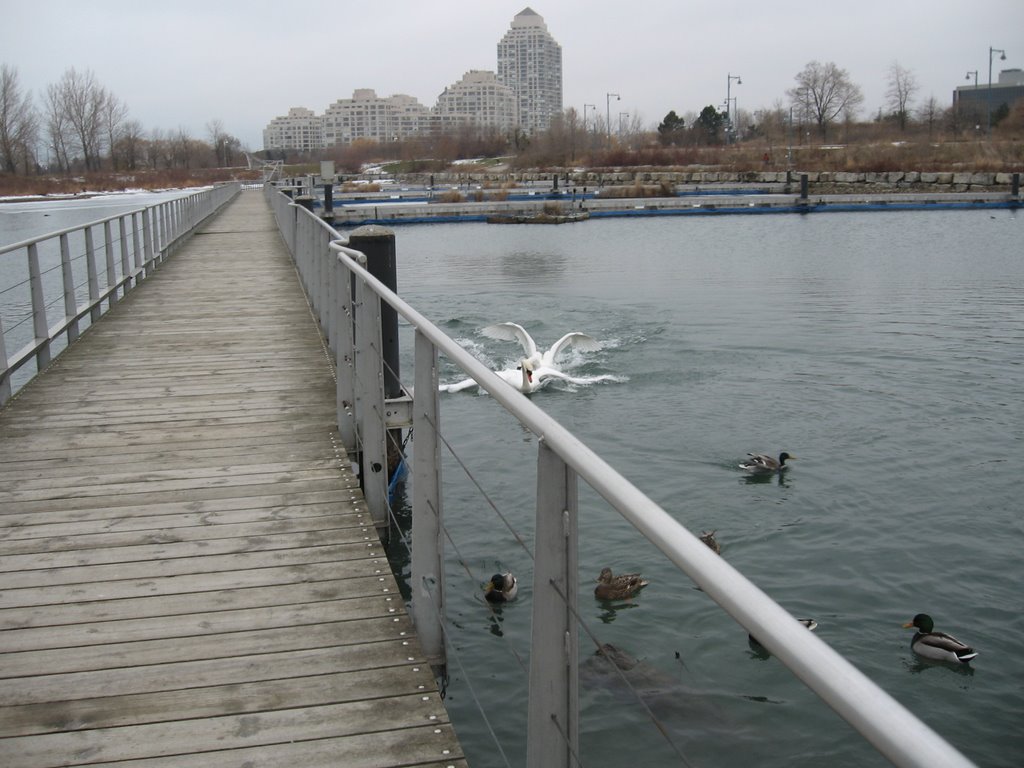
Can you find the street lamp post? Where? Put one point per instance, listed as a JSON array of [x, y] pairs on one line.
[[608, 112], [728, 101], [988, 96], [593, 107]]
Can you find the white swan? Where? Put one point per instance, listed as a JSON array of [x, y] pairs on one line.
[[527, 379], [516, 332]]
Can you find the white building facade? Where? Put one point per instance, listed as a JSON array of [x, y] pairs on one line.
[[367, 116], [530, 63], [477, 100], [300, 130]]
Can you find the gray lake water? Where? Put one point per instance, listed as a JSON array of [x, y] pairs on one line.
[[883, 349]]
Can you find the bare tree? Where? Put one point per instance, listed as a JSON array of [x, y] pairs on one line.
[[82, 102], [902, 87], [18, 123], [114, 113], [930, 113], [824, 92], [59, 135], [129, 150]]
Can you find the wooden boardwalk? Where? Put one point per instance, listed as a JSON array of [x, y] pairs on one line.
[[188, 573]]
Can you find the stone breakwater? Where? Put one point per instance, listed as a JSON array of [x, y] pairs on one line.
[[821, 182]]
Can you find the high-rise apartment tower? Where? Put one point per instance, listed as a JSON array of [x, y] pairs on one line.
[[530, 63]]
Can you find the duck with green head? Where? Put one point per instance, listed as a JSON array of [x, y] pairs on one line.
[[937, 645]]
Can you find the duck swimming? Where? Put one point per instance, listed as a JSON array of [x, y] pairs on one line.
[[516, 332], [501, 588], [761, 462], [620, 587], [937, 645], [709, 539]]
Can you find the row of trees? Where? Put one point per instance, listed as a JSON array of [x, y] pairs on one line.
[[81, 126]]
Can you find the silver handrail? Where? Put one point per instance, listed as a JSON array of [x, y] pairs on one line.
[[552, 725]]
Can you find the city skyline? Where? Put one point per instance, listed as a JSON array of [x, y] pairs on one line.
[[185, 65]]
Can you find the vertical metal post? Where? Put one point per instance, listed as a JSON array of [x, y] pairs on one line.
[[147, 241], [108, 251], [136, 247], [5, 373], [68, 278], [346, 397], [1015, 185], [428, 597], [39, 326], [92, 276], [126, 268], [803, 186], [552, 735], [369, 390]]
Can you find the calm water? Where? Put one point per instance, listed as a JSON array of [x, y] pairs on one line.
[[882, 349]]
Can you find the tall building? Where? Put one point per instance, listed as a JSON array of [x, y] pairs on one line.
[[530, 63], [478, 99], [376, 118], [300, 130]]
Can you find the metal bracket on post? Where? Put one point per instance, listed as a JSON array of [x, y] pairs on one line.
[[427, 566], [398, 411], [552, 735]]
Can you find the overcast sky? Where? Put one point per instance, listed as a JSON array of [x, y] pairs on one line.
[[182, 63]]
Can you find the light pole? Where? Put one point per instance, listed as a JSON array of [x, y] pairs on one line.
[[593, 107], [975, 73], [728, 101], [622, 115], [608, 112], [988, 96]]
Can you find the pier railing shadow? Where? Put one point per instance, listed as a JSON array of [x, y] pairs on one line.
[[349, 302]]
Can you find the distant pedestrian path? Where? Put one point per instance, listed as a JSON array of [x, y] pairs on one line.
[[190, 575]]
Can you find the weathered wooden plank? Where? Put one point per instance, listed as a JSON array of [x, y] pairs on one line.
[[197, 674], [198, 623], [175, 549], [202, 647], [180, 513], [212, 701], [193, 584]]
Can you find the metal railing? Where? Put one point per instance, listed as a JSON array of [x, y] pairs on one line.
[[344, 296], [130, 245]]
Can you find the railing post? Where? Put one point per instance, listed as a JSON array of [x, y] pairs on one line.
[[369, 392], [108, 251], [68, 278], [5, 371], [126, 269], [92, 276], [147, 241], [344, 357], [427, 567], [552, 733], [39, 325]]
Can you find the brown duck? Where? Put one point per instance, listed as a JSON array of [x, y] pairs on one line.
[[620, 587]]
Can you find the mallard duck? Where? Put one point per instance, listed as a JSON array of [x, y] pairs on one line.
[[620, 587], [709, 539], [501, 588], [760, 462], [937, 645]]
